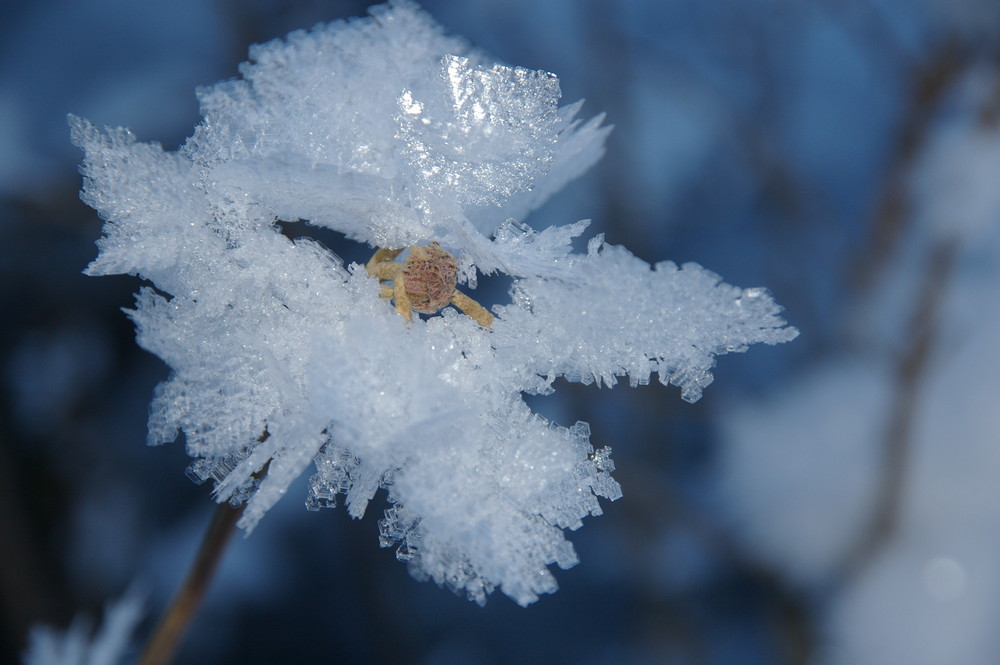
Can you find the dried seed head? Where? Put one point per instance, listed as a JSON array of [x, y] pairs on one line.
[[429, 275]]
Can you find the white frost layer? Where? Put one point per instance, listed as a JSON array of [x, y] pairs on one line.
[[389, 131], [282, 358], [611, 314]]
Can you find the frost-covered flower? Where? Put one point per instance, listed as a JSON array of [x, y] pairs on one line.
[[388, 131]]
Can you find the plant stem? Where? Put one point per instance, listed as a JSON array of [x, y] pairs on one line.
[[166, 638]]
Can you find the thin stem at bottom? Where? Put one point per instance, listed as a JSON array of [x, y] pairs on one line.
[[166, 638]]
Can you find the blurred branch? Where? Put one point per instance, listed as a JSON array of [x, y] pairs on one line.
[[891, 223], [910, 373], [930, 82]]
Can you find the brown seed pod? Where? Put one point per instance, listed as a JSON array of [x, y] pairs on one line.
[[429, 274]]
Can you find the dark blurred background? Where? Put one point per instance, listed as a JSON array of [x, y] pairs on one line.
[[775, 142]]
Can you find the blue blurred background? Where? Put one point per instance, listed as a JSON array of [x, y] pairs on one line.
[[774, 142]]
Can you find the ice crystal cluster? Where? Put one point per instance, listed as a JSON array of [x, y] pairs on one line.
[[282, 357]]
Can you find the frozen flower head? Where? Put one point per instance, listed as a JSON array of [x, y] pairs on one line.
[[390, 132]]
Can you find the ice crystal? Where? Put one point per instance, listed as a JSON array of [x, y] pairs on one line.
[[390, 132]]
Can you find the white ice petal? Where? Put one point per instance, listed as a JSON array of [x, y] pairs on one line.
[[615, 315]]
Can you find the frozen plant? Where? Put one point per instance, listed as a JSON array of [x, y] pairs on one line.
[[388, 131]]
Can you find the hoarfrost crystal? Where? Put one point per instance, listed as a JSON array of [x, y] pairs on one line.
[[390, 132]]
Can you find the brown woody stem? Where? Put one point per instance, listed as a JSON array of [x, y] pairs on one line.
[[166, 638]]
